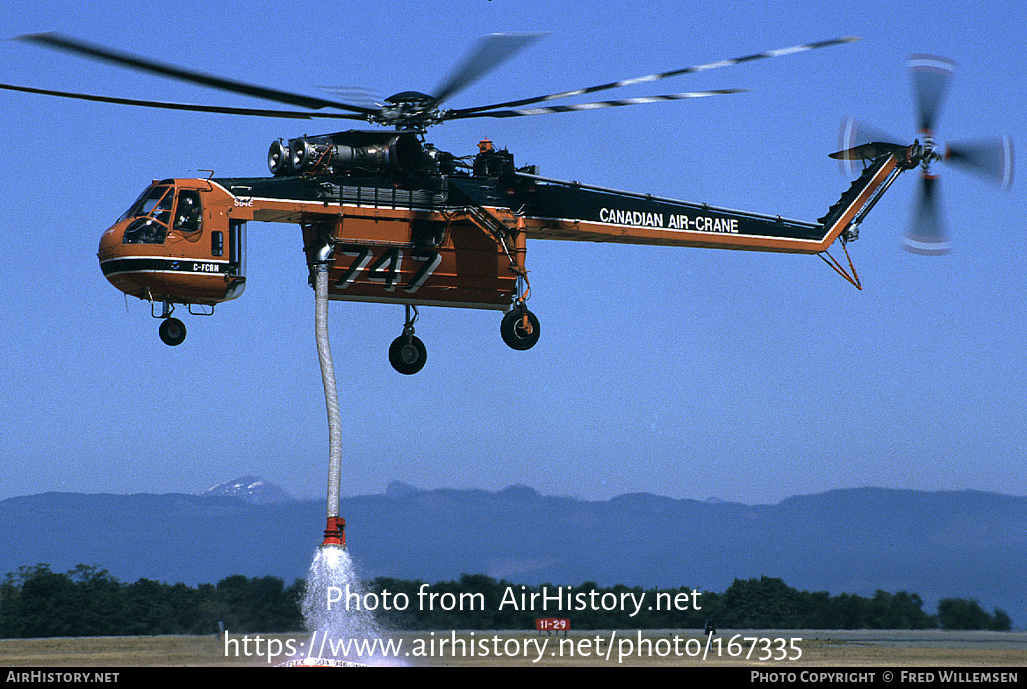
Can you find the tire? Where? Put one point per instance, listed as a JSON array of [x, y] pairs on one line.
[[172, 332], [407, 354], [515, 335]]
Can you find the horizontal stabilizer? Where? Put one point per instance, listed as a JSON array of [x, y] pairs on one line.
[[869, 151]]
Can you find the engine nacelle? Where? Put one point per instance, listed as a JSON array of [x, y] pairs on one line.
[[368, 152], [278, 158]]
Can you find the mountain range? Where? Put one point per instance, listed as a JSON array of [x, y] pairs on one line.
[[963, 544]]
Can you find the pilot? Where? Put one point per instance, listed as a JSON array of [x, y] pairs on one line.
[[188, 216]]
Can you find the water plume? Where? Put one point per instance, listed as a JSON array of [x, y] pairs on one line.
[[332, 569]]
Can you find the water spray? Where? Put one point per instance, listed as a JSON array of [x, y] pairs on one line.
[[335, 532]]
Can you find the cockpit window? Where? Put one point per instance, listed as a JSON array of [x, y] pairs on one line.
[[152, 213], [153, 198], [187, 215]]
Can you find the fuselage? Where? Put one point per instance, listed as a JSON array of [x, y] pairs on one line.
[[447, 240]]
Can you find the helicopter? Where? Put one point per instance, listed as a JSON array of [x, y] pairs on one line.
[[396, 220]]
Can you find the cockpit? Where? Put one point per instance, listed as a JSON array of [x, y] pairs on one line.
[[153, 211]]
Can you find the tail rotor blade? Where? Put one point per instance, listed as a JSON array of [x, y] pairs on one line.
[[926, 235], [931, 75], [990, 158]]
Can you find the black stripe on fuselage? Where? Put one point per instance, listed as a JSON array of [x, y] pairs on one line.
[[188, 266]]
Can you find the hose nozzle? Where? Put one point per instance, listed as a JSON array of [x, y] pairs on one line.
[[335, 533]]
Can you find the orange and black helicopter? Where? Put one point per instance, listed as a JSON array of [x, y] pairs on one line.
[[396, 220]]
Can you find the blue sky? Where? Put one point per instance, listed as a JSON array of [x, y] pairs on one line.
[[683, 372]]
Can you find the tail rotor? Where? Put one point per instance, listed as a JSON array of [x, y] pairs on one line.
[[991, 159]]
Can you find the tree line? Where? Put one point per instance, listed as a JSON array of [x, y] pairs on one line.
[[87, 601]]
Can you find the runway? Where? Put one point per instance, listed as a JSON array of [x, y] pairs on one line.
[[786, 650]]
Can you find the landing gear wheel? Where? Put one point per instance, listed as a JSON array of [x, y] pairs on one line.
[[172, 332], [516, 333], [407, 354]]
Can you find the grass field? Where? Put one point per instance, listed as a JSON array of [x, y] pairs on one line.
[[583, 648]]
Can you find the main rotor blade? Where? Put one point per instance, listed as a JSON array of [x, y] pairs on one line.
[[466, 112], [256, 112], [926, 233], [490, 52], [600, 104], [931, 75], [992, 158], [81, 48]]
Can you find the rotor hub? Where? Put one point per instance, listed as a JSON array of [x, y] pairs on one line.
[[927, 151], [408, 110]]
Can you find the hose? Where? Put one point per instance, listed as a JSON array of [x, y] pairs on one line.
[[324, 353]]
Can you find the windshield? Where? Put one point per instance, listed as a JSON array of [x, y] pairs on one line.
[[152, 211], [157, 199]]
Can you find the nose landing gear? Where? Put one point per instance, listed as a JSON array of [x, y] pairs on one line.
[[172, 330]]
